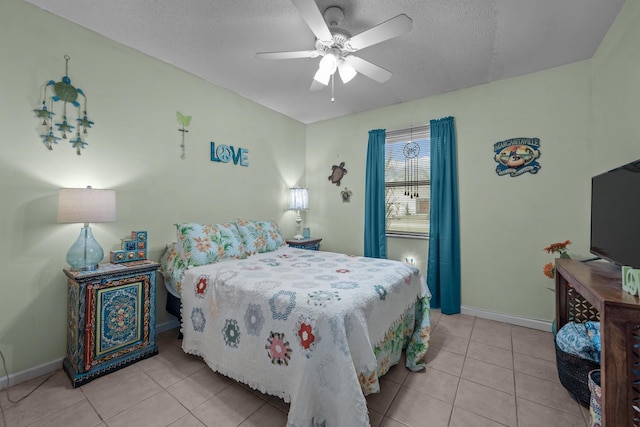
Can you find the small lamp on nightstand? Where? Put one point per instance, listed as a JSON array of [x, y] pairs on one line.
[[298, 200], [85, 205]]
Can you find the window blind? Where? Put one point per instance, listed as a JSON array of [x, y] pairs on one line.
[[405, 135], [407, 174]]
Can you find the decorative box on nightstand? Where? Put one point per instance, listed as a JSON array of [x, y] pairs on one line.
[[311, 243], [111, 318]]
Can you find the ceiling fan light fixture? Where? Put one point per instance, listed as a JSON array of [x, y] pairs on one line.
[[322, 76], [328, 66], [329, 63], [346, 71]]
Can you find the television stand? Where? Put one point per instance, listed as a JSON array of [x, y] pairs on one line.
[[593, 291]]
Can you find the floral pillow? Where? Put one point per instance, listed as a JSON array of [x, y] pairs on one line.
[[260, 236], [201, 244], [172, 269]]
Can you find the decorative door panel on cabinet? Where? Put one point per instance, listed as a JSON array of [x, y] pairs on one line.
[[110, 318]]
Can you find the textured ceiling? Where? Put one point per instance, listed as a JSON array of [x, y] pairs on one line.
[[453, 44]]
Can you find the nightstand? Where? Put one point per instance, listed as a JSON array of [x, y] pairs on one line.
[[111, 318], [311, 243]]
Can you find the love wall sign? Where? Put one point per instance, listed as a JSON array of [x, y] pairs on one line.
[[228, 153]]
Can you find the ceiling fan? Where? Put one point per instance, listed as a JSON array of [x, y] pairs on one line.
[[336, 46]]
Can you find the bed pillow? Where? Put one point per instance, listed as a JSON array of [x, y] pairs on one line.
[[172, 269], [201, 244], [260, 236]]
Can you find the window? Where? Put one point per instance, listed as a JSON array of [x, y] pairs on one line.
[[407, 172]]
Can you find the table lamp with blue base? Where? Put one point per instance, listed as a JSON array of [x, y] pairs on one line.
[[86, 205]]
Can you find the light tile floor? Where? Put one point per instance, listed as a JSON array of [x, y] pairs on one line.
[[479, 373]]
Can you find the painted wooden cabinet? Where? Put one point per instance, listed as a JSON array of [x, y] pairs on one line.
[[111, 318]]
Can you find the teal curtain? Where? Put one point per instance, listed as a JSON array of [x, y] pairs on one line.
[[375, 240], [443, 262]]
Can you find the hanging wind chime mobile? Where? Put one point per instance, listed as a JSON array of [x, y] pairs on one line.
[[411, 151], [65, 92]]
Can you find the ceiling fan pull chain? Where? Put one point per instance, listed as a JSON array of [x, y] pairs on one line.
[[332, 80]]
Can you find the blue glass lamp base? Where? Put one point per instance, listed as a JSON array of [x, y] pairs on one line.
[[86, 253]]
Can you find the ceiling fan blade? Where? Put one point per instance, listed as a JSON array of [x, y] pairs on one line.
[[368, 69], [316, 86], [394, 27], [288, 55], [309, 11]]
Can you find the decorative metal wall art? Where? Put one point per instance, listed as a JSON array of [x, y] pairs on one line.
[[516, 156], [65, 92], [184, 121], [337, 173], [411, 151], [346, 195]]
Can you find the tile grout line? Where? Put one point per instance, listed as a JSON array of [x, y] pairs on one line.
[[92, 407], [515, 386]]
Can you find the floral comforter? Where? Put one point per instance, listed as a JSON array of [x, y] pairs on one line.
[[314, 328]]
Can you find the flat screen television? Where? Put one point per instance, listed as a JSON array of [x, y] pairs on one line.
[[615, 215]]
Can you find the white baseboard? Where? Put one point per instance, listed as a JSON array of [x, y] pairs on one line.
[[508, 318], [165, 326], [31, 373], [45, 368]]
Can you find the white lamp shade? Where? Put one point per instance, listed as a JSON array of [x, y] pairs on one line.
[[85, 205], [322, 76], [346, 71], [328, 66], [329, 63], [298, 199]]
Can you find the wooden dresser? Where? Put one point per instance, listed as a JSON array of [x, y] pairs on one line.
[[593, 291]]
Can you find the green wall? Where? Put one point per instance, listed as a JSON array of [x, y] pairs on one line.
[[505, 222], [133, 149]]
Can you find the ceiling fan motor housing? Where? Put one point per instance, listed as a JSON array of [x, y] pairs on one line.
[[333, 16], [339, 46]]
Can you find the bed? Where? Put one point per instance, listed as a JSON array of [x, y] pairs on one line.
[[317, 329]]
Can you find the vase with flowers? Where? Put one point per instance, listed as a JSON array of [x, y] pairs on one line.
[[549, 269], [555, 248]]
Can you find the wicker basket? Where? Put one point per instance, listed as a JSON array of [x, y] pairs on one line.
[[595, 405], [573, 372]]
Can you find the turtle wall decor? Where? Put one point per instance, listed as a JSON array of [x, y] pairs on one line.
[[65, 92], [337, 173]]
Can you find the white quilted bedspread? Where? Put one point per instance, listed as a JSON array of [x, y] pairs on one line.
[[301, 325]]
